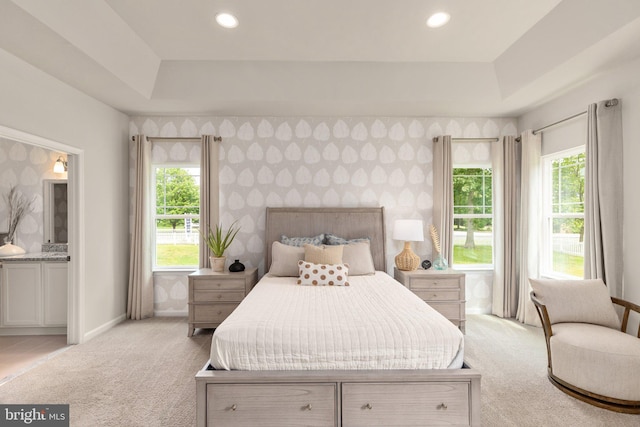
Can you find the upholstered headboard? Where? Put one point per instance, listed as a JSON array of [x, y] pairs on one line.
[[350, 223]]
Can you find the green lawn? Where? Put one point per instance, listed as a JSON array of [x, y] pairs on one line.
[[568, 264], [479, 255], [562, 263], [177, 255]]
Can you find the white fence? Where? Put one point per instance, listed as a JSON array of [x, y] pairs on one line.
[[177, 237], [565, 243], [569, 244]]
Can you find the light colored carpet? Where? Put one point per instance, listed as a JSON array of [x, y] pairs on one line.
[[512, 359], [141, 373]]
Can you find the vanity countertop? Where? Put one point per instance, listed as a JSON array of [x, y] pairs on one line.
[[37, 256]]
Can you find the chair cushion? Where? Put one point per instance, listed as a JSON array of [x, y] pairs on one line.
[[585, 301], [597, 359]]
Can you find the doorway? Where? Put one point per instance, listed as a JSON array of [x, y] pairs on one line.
[[75, 223]]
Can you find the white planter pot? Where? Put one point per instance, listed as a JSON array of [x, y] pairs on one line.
[[217, 263]]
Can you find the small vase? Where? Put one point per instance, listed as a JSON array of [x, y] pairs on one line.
[[236, 267], [440, 263], [8, 249], [217, 263]]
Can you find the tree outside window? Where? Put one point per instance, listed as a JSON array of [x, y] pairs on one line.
[[177, 216], [472, 217], [564, 212]]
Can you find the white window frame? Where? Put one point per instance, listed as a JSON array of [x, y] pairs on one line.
[[546, 251], [156, 217], [479, 216]]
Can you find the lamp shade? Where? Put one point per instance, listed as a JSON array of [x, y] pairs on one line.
[[408, 230], [60, 166]]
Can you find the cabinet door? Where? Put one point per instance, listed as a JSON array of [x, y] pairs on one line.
[[54, 284], [21, 294]]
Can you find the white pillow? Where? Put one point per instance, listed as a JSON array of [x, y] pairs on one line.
[[284, 259], [322, 274], [581, 301], [358, 256]]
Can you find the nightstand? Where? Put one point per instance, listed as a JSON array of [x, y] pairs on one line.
[[441, 289], [213, 296]]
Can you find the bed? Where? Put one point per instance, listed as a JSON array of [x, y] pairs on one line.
[[310, 387]]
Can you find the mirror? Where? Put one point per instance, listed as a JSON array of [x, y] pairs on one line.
[[55, 211]]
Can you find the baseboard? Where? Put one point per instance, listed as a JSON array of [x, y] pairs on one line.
[[476, 311], [171, 313], [103, 328], [33, 331]]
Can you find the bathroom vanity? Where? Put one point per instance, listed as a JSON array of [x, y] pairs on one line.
[[33, 294]]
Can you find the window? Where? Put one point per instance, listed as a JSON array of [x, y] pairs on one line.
[[472, 217], [563, 209], [177, 217]]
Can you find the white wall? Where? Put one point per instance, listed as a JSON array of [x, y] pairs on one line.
[[36, 103], [620, 82]]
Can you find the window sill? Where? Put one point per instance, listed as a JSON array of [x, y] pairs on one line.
[[559, 276], [482, 268], [174, 271]]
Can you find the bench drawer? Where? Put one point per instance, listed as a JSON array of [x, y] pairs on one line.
[[285, 404], [408, 404]]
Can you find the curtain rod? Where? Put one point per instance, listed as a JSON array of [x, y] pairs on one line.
[[610, 103], [177, 138], [471, 139]]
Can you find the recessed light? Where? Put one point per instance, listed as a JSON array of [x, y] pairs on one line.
[[437, 20], [226, 20]]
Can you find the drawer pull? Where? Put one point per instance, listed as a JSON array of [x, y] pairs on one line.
[[307, 408], [219, 296], [219, 312], [367, 406], [234, 407], [442, 406]]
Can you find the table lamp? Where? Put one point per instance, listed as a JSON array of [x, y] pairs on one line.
[[408, 230]]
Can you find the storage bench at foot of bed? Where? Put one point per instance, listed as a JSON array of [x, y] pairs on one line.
[[338, 398]]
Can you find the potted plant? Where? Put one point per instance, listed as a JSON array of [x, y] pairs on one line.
[[18, 207], [218, 241]]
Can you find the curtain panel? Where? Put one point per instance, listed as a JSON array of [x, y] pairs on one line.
[[530, 224], [140, 294], [443, 194], [603, 215], [506, 197], [209, 192]]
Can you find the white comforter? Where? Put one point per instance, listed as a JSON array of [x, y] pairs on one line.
[[375, 323]]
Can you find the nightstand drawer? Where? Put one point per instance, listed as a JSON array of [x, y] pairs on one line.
[[213, 296], [438, 295], [450, 310], [212, 313], [428, 283], [218, 284]]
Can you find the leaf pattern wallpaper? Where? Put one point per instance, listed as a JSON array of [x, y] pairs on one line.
[[26, 166], [314, 162]]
